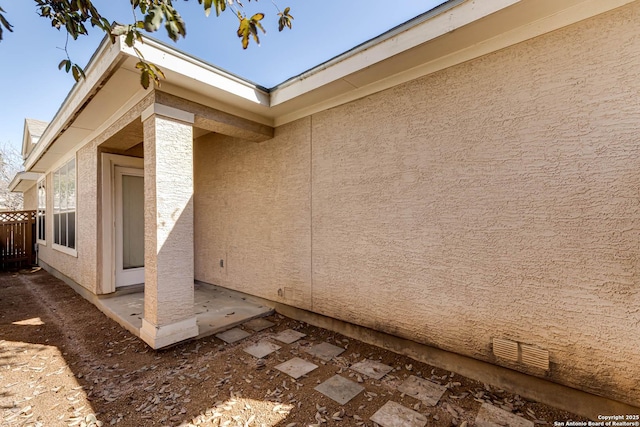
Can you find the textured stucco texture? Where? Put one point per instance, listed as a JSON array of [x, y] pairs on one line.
[[253, 214], [168, 181], [81, 268], [30, 198], [495, 199]]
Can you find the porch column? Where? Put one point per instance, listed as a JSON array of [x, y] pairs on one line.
[[168, 195]]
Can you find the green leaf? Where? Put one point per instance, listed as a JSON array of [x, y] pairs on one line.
[[4, 23], [81, 71], [207, 7], [76, 74], [221, 6], [243, 31], [249, 28], [144, 79], [62, 64], [153, 20], [138, 53], [129, 39], [285, 19], [148, 72], [159, 72]]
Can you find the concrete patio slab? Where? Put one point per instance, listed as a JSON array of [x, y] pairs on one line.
[[289, 336], [372, 369], [258, 325], [217, 309], [325, 351], [393, 414], [262, 349], [339, 389], [296, 367], [492, 416], [430, 393], [233, 335]]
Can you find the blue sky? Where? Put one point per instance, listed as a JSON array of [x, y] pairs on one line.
[[31, 85]]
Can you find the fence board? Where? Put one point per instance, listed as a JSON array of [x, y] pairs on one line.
[[17, 239]]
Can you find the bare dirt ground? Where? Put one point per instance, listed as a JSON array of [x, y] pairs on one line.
[[63, 363]]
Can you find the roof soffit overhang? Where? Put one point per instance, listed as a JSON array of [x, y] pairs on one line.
[[100, 67], [452, 33], [112, 87], [455, 32], [23, 181]]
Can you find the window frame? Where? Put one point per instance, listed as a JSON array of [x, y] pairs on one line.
[[41, 210], [60, 206]]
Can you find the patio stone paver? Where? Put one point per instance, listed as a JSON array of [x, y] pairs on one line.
[[262, 349], [233, 335], [101, 372], [430, 393], [258, 324], [372, 369], [289, 336], [492, 416], [393, 414], [325, 351], [339, 389], [296, 367]]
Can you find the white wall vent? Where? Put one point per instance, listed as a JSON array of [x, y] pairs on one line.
[[521, 353], [505, 349], [534, 356]]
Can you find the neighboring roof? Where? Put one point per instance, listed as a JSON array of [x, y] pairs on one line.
[[36, 127], [452, 33], [23, 181], [33, 130]]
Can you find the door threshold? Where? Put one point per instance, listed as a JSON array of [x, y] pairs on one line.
[[125, 290]]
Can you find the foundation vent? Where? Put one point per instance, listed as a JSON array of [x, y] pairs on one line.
[[534, 356], [521, 353], [505, 349]]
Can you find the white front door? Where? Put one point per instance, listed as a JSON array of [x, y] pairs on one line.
[[129, 226]]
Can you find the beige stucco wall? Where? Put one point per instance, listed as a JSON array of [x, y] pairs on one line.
[[168, 232], [495, 199], [83, 268], [252, 210], [30, 198]]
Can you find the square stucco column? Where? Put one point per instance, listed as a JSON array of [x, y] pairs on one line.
[[168, 195]]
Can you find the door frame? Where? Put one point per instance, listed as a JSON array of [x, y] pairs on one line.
[[132, 276], [109, 163]]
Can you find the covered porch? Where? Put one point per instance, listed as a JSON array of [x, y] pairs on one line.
[[134, 255], [147, 239], [216, 309]]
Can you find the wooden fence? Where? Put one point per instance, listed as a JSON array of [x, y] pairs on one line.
[[17, 239]]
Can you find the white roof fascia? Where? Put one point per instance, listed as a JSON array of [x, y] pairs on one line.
[[312, 91], [192, 68], [23, 181], [437, 26], [97, 69], [379, 49]]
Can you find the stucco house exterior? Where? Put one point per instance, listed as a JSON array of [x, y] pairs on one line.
[[468, 181]]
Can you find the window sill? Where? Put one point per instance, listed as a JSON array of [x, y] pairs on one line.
[[65, 250], [42, 242]]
